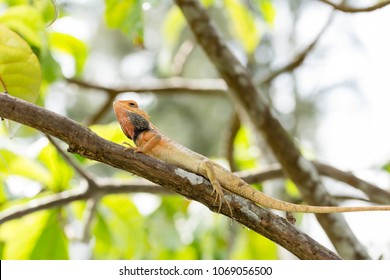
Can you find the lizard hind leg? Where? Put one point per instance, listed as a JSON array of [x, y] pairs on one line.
[[208, 167]]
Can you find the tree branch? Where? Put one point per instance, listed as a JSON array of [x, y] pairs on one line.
[[299, 58], [162, 86], [374, 193], [91, 182], [249, 98], [234, 126], [177, 85], [83, 141], [110, 186], [88, 217], [68, 196], [348, 9], [43, 203], [103, 110]]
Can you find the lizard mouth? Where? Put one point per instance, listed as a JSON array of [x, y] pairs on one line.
[[120, 104]]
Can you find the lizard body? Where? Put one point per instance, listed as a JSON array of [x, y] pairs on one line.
[[136, 125]]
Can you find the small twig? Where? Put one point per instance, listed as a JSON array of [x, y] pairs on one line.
[[90, 181], [181, 57], [270, 173], [348, 9], [103, 110], [3, 85], [347, 197], [162, 86], [132, 186], [89, 215], [68, 196], [47, 202], [299, 58], [235, 124], [66, 157], [374, 193], [56, 13], [215, 87], [92, 189]]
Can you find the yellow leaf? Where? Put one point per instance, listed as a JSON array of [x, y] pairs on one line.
[[20, 73], [244, 25]]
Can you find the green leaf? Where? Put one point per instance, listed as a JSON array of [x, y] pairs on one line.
[[3, 195], [245, 153], [244, 25], [27, 21], [126, 16], [15, 2], [12, 164], [20, 73], [72, 46], [173, 25], [386, 167], [52, 243], [51, 70], [20, 235], [292, 189], [49, 10], [119, 229], [207, 3], [1, 250], [267, 9], [251, 245], [61, 172], [111, 132]]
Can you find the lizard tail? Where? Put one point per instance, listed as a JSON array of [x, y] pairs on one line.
[[236, 185], [273, 203]]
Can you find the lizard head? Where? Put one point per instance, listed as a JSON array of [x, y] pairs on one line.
[[130, 106], [132, 119]]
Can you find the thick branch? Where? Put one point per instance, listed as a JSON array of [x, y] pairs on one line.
[[248, 98], [110, 186], [348, 9], [83, 141]]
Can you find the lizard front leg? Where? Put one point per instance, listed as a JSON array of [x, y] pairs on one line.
[[145, 147], [149, 144], [206, 167]]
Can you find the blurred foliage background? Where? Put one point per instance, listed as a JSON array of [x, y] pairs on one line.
[[116, 43]]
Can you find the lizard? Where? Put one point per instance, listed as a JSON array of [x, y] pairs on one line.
[[135, 124]]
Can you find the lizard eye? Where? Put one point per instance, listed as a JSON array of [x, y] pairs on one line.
[[132, 104]]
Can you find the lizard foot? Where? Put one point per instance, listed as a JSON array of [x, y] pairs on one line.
[[290, 218], [217, 188], [131, 147], [219, 196]]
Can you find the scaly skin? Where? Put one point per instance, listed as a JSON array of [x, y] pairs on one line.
[[136, 125]]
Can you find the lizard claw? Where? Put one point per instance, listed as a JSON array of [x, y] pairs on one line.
[[219, 196], [131, 147], [217, 188]]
